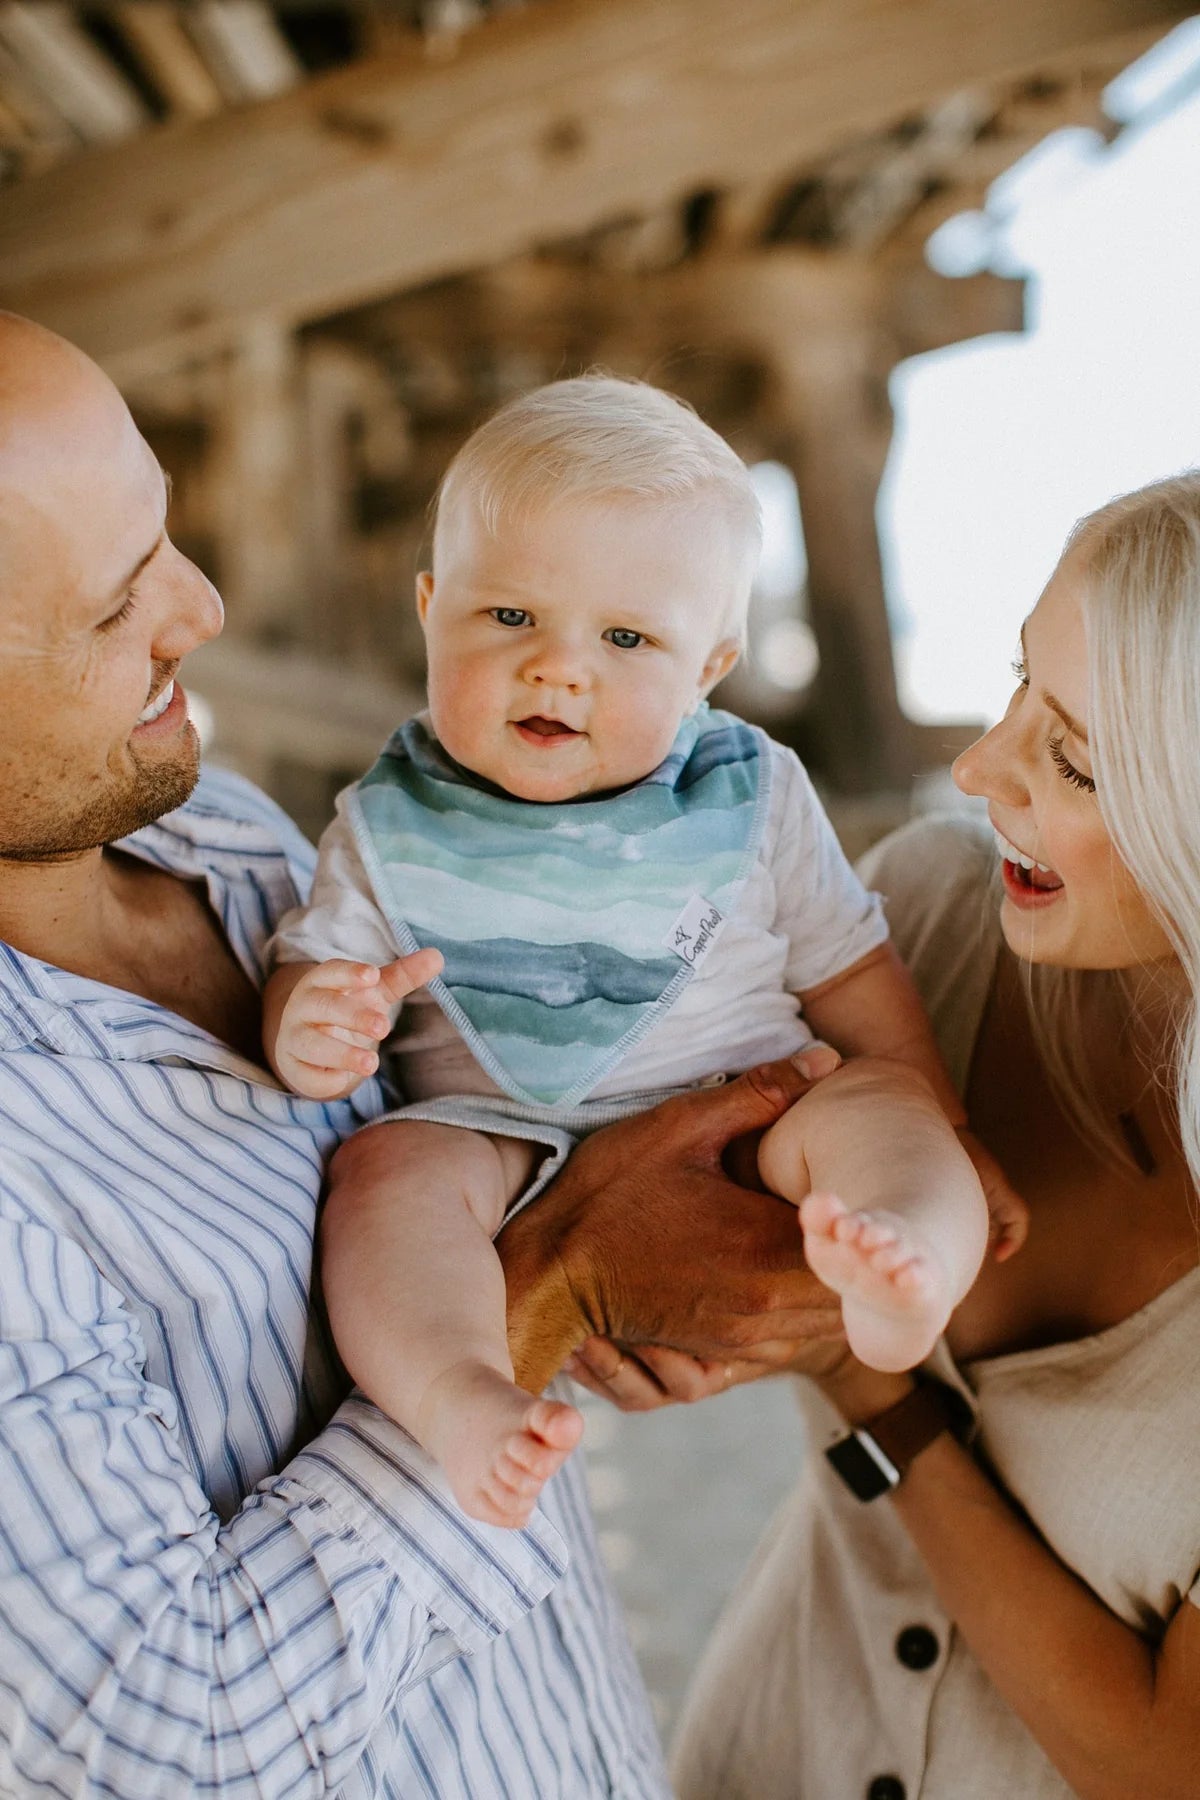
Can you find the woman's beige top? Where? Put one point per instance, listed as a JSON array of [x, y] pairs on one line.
[[834, 1674]]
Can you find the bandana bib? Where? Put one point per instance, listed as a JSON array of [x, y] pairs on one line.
[[568, 930]]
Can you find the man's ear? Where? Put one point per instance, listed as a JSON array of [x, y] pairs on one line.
[[721, 660], [424, 593]]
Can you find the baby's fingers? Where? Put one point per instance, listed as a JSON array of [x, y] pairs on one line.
[[361, 1015], [341, 975], [317, 1083], [329, 1047], [400, 978]]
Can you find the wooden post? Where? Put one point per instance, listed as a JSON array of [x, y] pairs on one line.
[[257, 487], [841, 432]]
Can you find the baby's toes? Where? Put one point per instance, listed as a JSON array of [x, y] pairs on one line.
[[890, 1255], [821, 1213], [556, 1424], [915, 1275], [516, 1473], [865, 1231], [504, 1506]]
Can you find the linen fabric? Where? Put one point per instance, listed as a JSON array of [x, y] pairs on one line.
[[219, 1573], [834, 1666]]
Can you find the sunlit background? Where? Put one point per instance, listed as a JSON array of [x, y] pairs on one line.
[[1003, 442]]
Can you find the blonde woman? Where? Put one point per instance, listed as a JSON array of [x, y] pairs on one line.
[[1018, 1612]]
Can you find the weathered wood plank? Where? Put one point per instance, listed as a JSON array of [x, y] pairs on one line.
[[82, 84], [397, 169], [161, 43], [247, 53]]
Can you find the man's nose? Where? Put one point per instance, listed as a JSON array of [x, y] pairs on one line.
[[190, 612]]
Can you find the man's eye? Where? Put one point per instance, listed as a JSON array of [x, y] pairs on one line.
[[623, 639], [510, 615], [121, 614]]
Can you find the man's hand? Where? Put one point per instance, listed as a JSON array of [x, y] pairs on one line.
[[644, 1239], [644, 1379]]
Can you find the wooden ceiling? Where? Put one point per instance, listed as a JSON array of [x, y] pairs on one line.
[[168, 171]]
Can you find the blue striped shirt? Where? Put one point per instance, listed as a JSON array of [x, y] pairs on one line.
[[219, 1574]]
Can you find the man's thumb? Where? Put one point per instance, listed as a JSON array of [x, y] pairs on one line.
[[760, 1096]]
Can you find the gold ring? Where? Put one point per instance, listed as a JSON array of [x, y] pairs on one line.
[[619, 1367]]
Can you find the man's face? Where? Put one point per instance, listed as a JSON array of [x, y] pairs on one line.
[[97, 607]]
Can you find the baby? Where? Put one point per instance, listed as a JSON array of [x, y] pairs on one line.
[[607, 893]]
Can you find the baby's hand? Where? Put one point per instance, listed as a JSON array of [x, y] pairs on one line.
[[1008, 1214], [335, 1016]]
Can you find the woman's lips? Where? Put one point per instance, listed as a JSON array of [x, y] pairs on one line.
[[1030, 888], [544, 733]]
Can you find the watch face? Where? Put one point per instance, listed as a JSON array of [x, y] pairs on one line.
[[862, 1465]]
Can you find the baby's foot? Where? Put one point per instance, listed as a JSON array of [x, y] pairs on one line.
[[498, 1444], [895, 1292]]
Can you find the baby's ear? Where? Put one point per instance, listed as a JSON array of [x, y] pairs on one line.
[[721, 659], [424, 593]]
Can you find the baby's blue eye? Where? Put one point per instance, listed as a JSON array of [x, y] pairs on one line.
[[623, 639], [510, 615]]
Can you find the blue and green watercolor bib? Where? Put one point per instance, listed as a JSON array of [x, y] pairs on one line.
[[568, 930]]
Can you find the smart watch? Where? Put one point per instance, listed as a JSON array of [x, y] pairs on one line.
[[872, 1458]]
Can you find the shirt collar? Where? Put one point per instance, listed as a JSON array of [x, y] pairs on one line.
[[75, 1016]]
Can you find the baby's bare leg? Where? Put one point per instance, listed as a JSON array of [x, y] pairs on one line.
[[416, 1300], [893, 1215]]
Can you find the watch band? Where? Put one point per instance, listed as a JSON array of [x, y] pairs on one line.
[[872, 1458]]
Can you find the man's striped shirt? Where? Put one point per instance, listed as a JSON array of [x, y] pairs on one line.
[[218, 1574]]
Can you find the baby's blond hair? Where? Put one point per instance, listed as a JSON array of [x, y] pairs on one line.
[[600, 437]]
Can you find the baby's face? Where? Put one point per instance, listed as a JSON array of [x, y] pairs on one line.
[[564, 652]]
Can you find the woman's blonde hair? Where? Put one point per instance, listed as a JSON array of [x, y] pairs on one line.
[[600, 437], [1140, 557]]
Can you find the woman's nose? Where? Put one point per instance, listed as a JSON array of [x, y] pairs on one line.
[[992, 766]]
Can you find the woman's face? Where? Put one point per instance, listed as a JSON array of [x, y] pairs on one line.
[[1079, 906]]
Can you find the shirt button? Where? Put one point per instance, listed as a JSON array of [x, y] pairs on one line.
[[886, 1787], [916, 1647], [717, 1080]]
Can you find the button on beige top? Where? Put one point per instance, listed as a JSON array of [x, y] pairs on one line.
[[810, 1688]]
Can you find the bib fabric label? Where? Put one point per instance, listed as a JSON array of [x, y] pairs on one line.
[[695, 931]]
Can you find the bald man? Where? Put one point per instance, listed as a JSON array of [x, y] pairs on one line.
[[218, 1572]]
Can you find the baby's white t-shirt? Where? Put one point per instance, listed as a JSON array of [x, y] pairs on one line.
[[801, 918]]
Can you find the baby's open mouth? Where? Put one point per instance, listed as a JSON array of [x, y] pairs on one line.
[[545, 730]]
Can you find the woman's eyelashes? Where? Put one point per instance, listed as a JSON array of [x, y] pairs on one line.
[[1067, 769], [1054, 745]]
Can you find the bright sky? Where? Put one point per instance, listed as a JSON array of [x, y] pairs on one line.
[[1001, 443]]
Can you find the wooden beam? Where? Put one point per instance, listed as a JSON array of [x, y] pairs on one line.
[[76, 78], [397, 169], [246, 51], [42, 123], [161, 44]]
